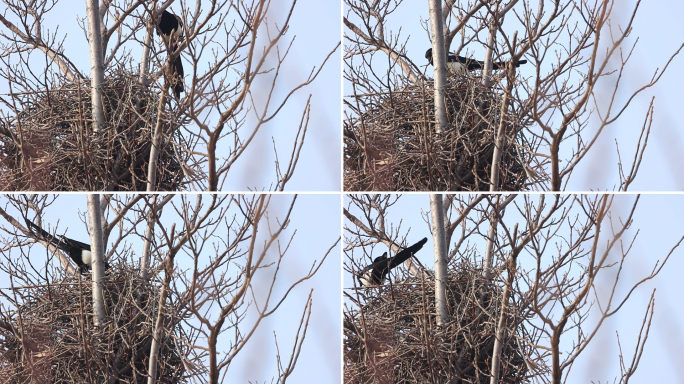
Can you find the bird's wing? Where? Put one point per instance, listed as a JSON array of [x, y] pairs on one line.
[[406, 253], [374, 269], [74, 243], [180, 25], [472, 64], [366, 275], [503, 64]]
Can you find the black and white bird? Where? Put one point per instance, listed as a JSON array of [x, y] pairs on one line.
[[170, 30], [460, 64], [170, 26], [79, 252], [376, 273]]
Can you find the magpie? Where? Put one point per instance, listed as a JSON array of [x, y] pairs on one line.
[[170, 30], [376, 273], [79, 252], [459, 64], [169, 25]]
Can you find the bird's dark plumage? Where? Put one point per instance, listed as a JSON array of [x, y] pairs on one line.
[[77, 251], [376, 273], [459, 64], [170, 30], [170, 25], [178, 74]]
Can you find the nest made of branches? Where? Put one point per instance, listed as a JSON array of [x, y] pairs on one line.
[[404, 344], [391, 144], [53, 337], [49, 144]]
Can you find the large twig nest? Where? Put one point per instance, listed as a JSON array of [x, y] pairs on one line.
[[52, 337], [403, 344], [391, 144], [49, 144]]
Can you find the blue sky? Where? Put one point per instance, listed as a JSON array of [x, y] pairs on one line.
[[659, 35], [316, 221], [315, 27], [660, 224]]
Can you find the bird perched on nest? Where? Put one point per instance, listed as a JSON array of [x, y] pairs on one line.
[[376, 273], [77, 251], [170, 30], [460, 64]]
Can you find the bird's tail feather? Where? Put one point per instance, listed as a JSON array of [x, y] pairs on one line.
[[42, 234], [417, 246], [406, 253], [503, 64]]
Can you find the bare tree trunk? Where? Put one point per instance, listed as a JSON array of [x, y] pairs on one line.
[[439, 64], [156, 143], [491, 236], [152, 217], [491, 42], [439, 239], [500, 135], [501, 325], [145, 63], [159, 324], [97, 254], [149, 234], [96, 59], [496, 21]]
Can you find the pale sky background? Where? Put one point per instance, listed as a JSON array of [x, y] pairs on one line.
[[659, 30], [317, 28], [659, 221], [316, 220]]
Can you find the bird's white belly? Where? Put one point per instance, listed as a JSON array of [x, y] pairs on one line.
[[366, 278], [87, 257], [456, 67]]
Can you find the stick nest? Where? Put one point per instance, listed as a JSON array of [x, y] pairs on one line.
[[61, 345], [404, 344], [391, 144], [49, 144]]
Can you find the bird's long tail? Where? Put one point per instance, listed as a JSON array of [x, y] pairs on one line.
[[405, 254], [503, 64], [417, 246], [42, 234]]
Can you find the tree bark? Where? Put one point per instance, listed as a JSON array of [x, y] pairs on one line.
[[96, 66], [97, 253], [439, 63], [439, 239]]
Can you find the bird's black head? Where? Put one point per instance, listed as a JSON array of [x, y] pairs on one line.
[[428, 55], [380, 258]]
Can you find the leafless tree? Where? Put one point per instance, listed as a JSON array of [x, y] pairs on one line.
[[185, 319], [549, 117], [529, 323], [232, 54]]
